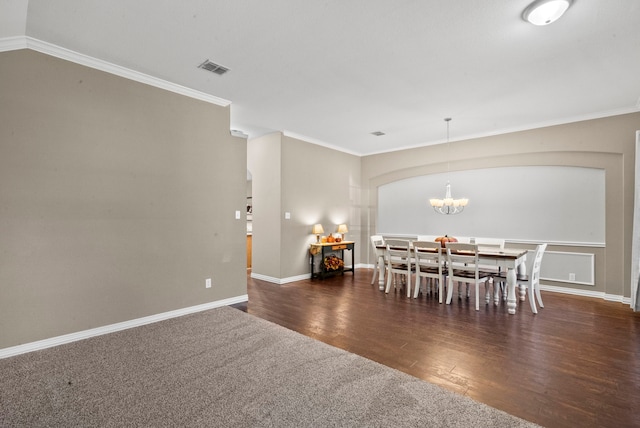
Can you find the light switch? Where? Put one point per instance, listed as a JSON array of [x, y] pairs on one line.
[[287, 216], [237, 215]]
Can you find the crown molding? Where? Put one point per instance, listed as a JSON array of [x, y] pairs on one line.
[[23, 42], [318, 142]]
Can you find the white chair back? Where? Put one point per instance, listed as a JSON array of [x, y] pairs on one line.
[[399, 261], [463, 266], [429, 263], [375, 241], [490, 242]]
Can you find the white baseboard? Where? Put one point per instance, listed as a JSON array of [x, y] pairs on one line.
[[72, 337], [587, 293], [280, 281], [294, 278]]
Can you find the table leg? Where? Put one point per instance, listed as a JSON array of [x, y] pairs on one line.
[[522, 270], [381, 273], [511, 285]]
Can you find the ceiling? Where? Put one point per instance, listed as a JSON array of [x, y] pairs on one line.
[[332, 72]]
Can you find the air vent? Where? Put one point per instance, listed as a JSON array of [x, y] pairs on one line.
[[378, 133], [213, 67]]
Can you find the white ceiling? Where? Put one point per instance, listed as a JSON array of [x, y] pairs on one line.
[[332, 72]]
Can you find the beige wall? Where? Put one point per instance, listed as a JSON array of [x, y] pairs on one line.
[[607, 143], [264, 162], [117, 200], [312, 183]]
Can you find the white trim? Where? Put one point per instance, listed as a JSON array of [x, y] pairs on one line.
[[586, 293], [287, 280], [521, 128], [14, 43], [73, 337], [635, 238], [512, 241], [559, 243], [280, 281], [318, 142], [589, 271]]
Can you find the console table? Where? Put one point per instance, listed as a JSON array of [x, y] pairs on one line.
[[324, 249]]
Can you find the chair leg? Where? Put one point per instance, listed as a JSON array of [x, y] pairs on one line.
[[389, 279], [487, 291], [417, 287], [539, 296], [408, 275], [449, 291], [532, 300], [477, 295]]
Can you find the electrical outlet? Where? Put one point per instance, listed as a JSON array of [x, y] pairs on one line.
[[207, 283], [572, 277]]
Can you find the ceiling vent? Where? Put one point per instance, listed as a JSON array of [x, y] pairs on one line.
[[213, 67]]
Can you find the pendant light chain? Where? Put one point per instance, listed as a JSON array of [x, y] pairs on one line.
[[448, 205]]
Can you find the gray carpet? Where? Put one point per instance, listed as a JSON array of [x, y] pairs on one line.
[[222, 368]]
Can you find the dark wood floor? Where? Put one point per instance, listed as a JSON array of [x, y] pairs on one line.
[[575, 364]]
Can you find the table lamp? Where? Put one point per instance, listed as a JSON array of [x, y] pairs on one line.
[[317, 230], [342, 229]]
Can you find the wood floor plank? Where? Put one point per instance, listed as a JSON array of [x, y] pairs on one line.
[[574, 364]]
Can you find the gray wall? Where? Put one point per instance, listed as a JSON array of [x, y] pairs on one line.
[[117, 200], [524, 203], [606, 143]]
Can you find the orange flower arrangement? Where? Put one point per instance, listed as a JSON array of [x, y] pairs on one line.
[[333, 263]]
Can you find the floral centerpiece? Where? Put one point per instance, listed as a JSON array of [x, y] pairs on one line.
[[333, 263]]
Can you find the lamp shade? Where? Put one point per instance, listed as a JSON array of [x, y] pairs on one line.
[[317, 229], [342, 228]]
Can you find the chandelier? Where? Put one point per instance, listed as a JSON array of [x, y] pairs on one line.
[[448, 205]]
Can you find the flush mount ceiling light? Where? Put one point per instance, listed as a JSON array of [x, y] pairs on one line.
[[544, 12]]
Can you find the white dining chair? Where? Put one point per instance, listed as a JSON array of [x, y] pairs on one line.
[[531, 279], [489, 242], [498, 286], [462, 265], [399, 262], [378, 240], [429, 263]]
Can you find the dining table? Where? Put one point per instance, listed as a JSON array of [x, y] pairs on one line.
[[512, 260]]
